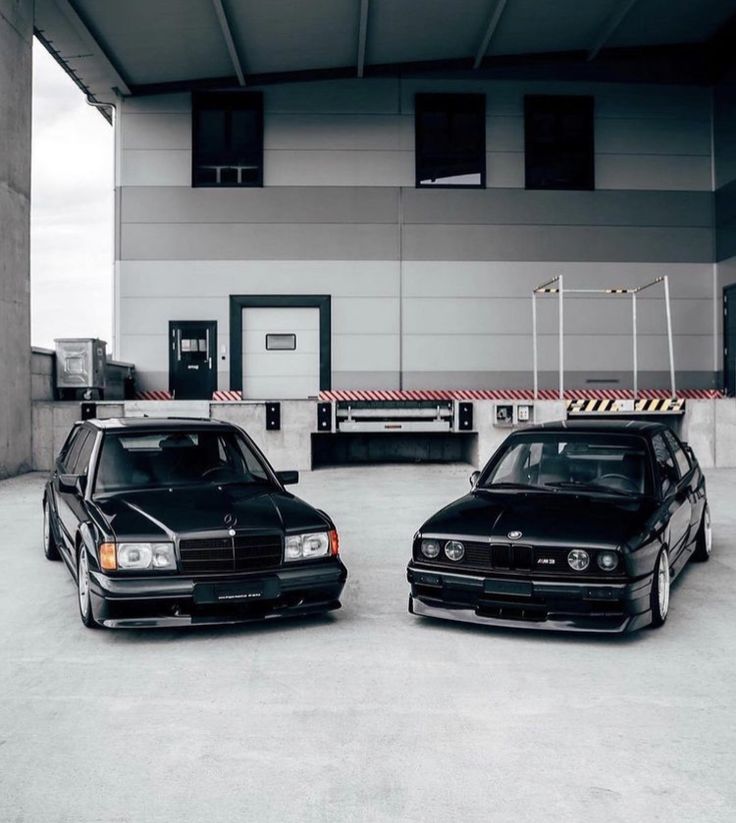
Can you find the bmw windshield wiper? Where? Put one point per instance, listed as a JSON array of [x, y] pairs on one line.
[[595, 487]]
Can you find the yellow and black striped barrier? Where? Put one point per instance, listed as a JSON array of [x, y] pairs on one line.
[[666, 405]]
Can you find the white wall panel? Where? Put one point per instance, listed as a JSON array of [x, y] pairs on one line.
[[338, 168], [353, 132], [365, 352], [157, 130], [508, 279], [161, 167]]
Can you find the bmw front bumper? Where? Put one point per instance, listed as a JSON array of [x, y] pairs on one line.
[[552, 605], [155, 602]]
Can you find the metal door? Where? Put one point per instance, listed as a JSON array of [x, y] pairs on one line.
[[192, 359], [281, 353], [729, 340]]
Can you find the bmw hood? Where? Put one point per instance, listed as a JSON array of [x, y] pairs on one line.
[[542, 518], [162, 514]]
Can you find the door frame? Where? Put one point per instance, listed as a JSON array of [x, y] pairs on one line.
[[238, 302], [212, 326], [724, 339]]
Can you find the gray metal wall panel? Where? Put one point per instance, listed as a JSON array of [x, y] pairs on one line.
[[462, 242], [725, 200], [581, 208], [264, 241], [456, 379], [288, 204]]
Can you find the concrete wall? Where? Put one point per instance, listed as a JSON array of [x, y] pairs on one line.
[[16, 31], [709, 426], [429, 288]]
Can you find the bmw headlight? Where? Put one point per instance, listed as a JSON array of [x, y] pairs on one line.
[[430, 548], [607, 561], [307, 546], [454, 550], [146, 556], [578, 560]]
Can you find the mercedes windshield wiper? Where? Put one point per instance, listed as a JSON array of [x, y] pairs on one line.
[[595, 487], [509, 485]]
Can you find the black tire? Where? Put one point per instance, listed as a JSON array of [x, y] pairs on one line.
[[703, 539], [50, 549], [659, 599], [86, 614]]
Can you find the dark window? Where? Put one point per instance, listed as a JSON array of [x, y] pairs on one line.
[[70, 458], [227, 139], [81, 464], [280, 342], [71, 440], [558, 142], [450, 133], [666, 471], [683, 464]]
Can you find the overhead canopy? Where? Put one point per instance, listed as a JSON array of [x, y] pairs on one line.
[[150, 46]]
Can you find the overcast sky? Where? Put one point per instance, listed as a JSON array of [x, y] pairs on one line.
[[71, 210]]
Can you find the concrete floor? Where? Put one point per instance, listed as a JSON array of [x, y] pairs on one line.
[[370, 714]]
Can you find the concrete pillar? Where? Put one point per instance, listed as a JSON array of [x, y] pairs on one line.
[[16, 34]]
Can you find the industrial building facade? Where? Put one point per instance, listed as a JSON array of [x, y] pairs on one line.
[[287, 222], [426, 287]]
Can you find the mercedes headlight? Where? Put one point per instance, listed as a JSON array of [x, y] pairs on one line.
[[146, 556], [307, 546]]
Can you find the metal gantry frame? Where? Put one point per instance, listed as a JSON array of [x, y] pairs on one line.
[[556, 286]]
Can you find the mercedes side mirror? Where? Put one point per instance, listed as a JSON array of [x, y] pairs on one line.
[[72, 483], [289, 478], [474, 477]]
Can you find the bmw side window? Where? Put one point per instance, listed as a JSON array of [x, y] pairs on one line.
[[666, 471], [683, 464]]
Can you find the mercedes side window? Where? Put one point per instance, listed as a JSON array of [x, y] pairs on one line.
[[683, 464], [667, 473], [71, 440], [81, 464], [72, 452]]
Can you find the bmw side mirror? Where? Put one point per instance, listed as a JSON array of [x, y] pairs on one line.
[[474, 477], [288, 478]]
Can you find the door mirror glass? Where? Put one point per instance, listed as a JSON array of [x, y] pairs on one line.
[[289, 478], [474, 477]]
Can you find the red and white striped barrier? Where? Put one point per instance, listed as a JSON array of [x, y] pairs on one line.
[[158, 394], [510, 394], [227, 396]]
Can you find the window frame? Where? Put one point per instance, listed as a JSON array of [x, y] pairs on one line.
[[421, 105], [248, 100], [560, 102]]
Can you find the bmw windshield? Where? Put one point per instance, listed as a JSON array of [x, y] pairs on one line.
[[567, 461]]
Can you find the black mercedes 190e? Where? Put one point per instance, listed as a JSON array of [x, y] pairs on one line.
[[577, 526], [181, 522]]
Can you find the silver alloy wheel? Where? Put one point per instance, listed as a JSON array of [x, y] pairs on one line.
[[46, 527], [663, 584], [707, 531], [83, 583]]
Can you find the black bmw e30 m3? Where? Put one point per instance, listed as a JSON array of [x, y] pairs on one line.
[[576, 526], [166, 522]]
